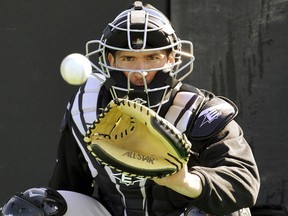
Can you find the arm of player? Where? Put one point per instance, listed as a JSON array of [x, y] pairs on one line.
[[183, 182]]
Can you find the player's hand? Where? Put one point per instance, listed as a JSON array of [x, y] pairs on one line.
[[183, 182]]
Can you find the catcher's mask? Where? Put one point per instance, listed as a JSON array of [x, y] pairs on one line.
[[36, 202], [137, 29]]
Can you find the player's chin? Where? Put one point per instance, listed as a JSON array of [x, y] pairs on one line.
[[140, 82]]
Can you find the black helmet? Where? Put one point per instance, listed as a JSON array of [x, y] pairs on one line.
[[35, 202], [141, 28]]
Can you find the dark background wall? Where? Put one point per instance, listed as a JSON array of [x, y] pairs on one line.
[[241, 52]]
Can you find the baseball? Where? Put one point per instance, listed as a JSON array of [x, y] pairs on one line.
[[75, 69]]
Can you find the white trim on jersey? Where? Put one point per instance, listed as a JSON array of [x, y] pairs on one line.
[[84, 108], [84, 113]]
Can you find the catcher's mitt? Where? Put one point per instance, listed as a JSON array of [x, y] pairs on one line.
[[133, 139]]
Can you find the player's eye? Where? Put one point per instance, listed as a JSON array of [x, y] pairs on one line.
[[127, 58], [154, 57]]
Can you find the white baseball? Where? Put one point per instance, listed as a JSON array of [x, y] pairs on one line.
[[75, 69]]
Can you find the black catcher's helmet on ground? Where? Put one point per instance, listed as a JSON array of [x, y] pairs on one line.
[[141, 28], [35, 202]]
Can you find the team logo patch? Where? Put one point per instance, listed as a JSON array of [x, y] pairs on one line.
[[211, 115]]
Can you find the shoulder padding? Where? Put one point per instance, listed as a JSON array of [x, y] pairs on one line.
[[82, 107], [184, 107], [212, 118]]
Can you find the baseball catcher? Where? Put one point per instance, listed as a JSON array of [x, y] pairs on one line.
[[141, 140]]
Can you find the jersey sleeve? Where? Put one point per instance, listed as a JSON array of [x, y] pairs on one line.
[[228, 171]]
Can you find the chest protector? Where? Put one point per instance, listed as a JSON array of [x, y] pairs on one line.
[[197, 113]]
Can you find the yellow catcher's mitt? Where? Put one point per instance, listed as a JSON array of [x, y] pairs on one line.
[[134, 139]]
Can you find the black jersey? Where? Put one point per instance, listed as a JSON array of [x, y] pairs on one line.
[[223, 159]]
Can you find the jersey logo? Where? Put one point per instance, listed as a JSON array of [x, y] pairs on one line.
[[123, 178]]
